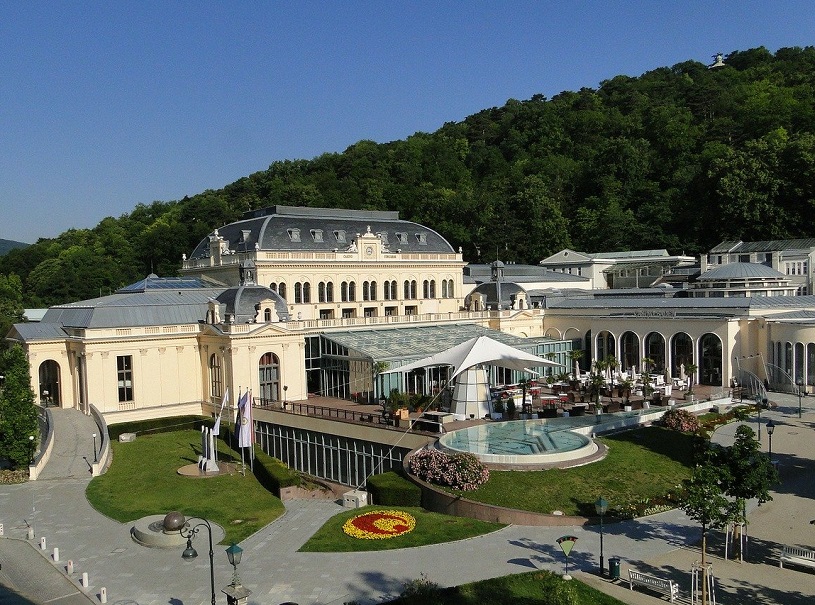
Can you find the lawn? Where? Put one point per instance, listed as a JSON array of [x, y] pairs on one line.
[[642, 464], [534, 587], [143, 480], [431, 528]]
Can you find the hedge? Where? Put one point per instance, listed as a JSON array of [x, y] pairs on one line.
[[391, 489]]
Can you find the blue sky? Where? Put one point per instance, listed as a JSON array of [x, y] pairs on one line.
[[104, 105]]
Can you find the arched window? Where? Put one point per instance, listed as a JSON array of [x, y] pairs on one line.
[[425, 289], [344, 291], [281, 289], [655, 350], [321, 292], [629, 351], [710, 357], [298, 292], [394, 295], [267, 315], [373, 290], [306, 292], [273, 287], [329, 291], [432, 289], [681, 353], [407, 290], [215, 376], [269, 377], [352, 291], [413, 289]]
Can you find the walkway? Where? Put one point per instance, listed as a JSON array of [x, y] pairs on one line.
[[273, 569]]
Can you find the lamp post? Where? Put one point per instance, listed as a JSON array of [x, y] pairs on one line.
[[770, 429], [800, 390], [601, 506], [31, 449], [285, 389], [190, 553], [235, 593], [95, 458], [759, 402]]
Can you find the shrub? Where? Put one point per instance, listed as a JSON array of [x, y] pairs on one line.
[[159, 425], [389, 489], [680, 420], [459, 471], [421, 588], [16, 476], [272, 474]]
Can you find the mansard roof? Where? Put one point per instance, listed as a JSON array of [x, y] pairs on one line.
[[323, 229]]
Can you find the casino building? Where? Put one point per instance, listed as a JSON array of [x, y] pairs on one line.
[[289, 302]]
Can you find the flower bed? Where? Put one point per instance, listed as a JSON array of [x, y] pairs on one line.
[[460, 471], [379, 525]]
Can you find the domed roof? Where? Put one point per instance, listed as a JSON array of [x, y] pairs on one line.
[[732, 271], [490, 291], [243, 303]]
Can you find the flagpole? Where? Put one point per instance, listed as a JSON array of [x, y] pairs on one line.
[[252, 434]]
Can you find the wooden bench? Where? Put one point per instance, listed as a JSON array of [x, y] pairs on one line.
[[797, 555], [667, 587]]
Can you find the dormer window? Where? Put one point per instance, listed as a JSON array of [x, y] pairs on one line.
[[384, 237], [317, 235], [340, 235], [421, 238], [402, 237], [294, 234]]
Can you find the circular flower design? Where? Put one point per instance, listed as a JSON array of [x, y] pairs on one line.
[[379, 525]]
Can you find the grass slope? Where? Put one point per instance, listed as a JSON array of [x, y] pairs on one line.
[[143, 480]]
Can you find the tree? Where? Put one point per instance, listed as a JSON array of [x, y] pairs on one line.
[[18, 414], [11, 302], [750, 472], [703, 500]]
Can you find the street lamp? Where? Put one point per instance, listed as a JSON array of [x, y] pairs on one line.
[[31, 449], [601, 506], [190, 553], [759, 403], [233, 553], [770, 429], [95, 459], [285, 389], [800, 390], [235, 593]]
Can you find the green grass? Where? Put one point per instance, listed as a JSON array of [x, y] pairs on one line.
[[531, 588], [641, 464], [143, 480], [431, 528]]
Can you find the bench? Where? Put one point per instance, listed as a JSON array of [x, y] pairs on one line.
[[797, 555], [667, 587]]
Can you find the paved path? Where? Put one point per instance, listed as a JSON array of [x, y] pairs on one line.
[[664, 544]]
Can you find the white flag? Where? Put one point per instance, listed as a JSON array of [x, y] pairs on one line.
[[216, 429]]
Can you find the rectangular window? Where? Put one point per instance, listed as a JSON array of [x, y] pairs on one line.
[[124, 375]]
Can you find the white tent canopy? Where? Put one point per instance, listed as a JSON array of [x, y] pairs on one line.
[[481, 350]]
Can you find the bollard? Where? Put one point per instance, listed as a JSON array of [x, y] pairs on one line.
[[84, 579], [42, 543], [30, 533], [56, 554], [70, 567], [103, 595]]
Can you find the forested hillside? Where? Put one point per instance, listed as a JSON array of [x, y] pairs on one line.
[[678, 158]]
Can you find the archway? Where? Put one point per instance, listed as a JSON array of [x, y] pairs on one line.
[[710, 356], [49, 383], [269, 377]]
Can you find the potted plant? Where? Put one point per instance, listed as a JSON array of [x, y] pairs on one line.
[[511, 409], [497, 409]]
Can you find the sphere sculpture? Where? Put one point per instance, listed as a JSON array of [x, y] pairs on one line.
[[174, 521]]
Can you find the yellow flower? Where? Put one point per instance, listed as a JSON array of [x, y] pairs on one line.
[[379, 525]]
